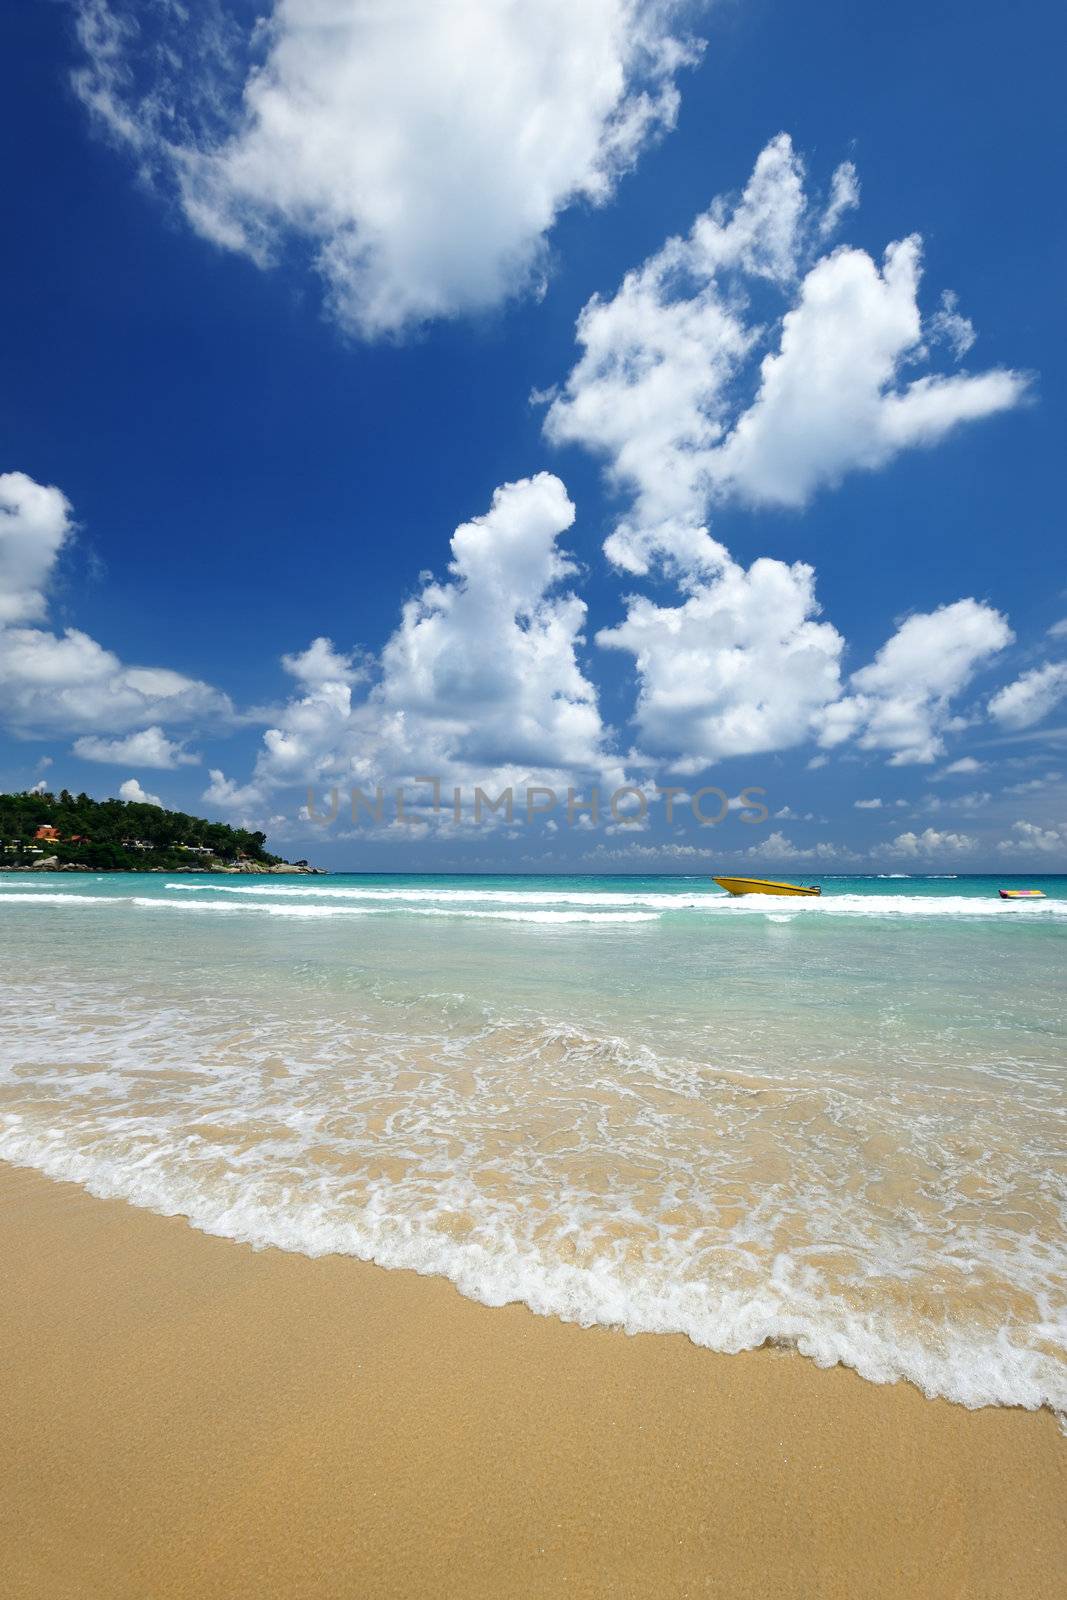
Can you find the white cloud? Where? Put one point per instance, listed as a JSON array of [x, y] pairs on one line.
[[479, 683], [662, 388], [830, 399], [231, 796], [1032, 836], [649, 854], [131, 790], [1031, 697], [844, 196], [1048, 780], [1058, 630], [422, 148], [902, 701], [777, 847], [149, 747], [868, 805], [35, 522], [976, 800], [948, 325], [322, 663], [649, 391], [966, 764], [68, 681], [740, 666], [930, 843]]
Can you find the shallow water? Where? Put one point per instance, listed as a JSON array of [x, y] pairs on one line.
[[838, 1123]]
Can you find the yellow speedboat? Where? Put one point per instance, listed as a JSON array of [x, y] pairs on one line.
[[764, 886]]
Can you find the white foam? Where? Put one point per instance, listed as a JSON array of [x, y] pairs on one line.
[[709, 902], [594, 898], [44, 897], [281, 909], [520, 906], [957, 1363]]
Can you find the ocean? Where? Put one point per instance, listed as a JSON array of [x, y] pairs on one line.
[[833, 1124]]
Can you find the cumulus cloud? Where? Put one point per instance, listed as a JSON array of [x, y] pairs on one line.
[[902, 701], [1032, 836], [976, 800], [868, 805], [650, 390], [479, 682], [148, 747], [929, 843], [1031, 697], [740, 666], [35, 522], [230, 796], [831, 399], [321, 662], [663, 387], [778, 847], [695, 401], [68, 681], [422, 149], [131, 790]]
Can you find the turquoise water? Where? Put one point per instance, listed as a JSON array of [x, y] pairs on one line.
[[834, 1123]]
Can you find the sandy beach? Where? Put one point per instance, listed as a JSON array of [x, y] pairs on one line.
[[186, 1417]]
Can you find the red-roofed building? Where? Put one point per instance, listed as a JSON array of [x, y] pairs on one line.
[[48, 833]]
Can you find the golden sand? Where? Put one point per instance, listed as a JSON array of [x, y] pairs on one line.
[[185, 1417]]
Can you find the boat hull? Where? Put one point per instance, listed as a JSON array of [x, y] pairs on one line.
[[764, 886], [1022, 894]]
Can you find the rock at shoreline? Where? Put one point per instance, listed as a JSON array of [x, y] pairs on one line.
[[285, 867], [46, 864]]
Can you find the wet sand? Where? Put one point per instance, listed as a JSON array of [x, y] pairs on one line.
[[185, 1417]]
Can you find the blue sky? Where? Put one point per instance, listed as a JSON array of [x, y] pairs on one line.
[[274, 320]]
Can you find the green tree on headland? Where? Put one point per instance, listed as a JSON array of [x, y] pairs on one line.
[[118, 835]]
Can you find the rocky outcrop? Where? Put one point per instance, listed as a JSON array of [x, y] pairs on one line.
[[46, 864], [261, 867]]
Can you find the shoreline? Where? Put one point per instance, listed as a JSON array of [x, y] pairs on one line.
[[186, 1416], [284, 869]]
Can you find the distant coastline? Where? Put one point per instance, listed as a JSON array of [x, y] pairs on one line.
[[45, 832], [279, 869]]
